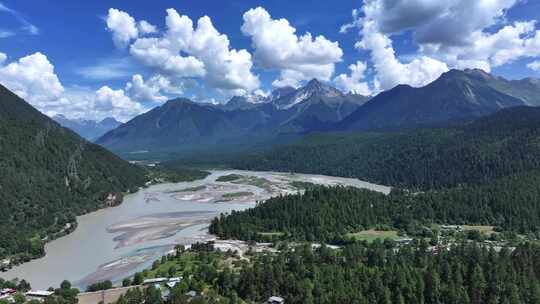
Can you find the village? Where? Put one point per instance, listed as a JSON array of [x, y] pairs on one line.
[[447, 236], [19, 294]]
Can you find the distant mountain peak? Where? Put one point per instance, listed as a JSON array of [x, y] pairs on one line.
[[281, 92], [461, 74], [313, 88], [403, 86], [452, 73], [108, 120], [480, 73], [246, 101], [464, 76], [178, 100], [87, 128], [314, 85], [456, 95], [532, 80], [255, 98]]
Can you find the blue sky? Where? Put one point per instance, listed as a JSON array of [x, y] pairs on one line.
[[82, 59]]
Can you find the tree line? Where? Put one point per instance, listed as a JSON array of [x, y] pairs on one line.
[[329, 213], [360, 273]]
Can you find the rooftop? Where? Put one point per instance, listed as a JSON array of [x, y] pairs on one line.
[[39, 293]]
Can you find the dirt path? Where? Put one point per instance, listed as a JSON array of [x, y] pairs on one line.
[[105, 296]]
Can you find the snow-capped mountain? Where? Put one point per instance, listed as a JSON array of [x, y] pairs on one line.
[[312, 88]]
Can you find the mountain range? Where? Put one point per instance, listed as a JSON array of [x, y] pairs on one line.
[[480, 151], [89, 129], [183, 125], [454, 96]]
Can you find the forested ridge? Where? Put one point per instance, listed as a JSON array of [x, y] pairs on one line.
[[502, 144], [48, 176]]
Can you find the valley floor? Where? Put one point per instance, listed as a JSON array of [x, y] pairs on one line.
[[113, 243]]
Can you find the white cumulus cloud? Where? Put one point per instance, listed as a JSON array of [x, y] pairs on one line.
[[140, 90], [33, 78], [354, 83], [122, 26], [390, 70], [116, 103], [185, 50], [146, 27], [449, 34], [535, 65], [277, 46], [448, 23], [487, 50]]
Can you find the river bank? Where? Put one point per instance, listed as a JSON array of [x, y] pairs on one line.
[[116, 242]]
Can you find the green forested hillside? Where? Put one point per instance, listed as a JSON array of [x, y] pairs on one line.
[[328, 214], [455, 95], [499, 145], [48, 176]]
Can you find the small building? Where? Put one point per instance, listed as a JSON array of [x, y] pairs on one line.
[[275, 300], [173, 281], [6, 297], [404, 241], [438, 249], [155, 281], [7, 291], [191, 293], [38, 294], [451, 227]]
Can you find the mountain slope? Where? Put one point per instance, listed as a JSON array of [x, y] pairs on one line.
[[316, 106], [89, 129], [50, 175], [527, 89], [488, 148], [456, 95], [312, 88], [181, 125]]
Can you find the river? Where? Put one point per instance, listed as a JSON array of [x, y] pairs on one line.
[[116, 242]]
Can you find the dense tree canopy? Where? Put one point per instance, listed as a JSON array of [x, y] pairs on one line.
[[327, 214], [464, 273], [499, 145], [48, 176]]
